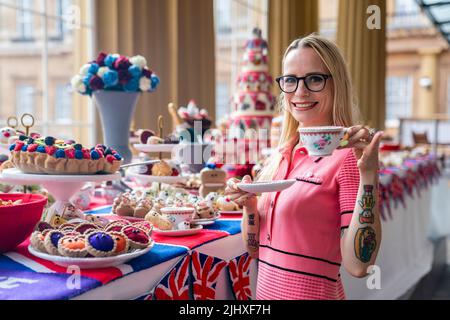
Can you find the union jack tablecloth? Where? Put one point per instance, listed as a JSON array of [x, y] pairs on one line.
[[24, 276]]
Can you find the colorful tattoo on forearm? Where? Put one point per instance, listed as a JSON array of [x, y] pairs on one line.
[[365, 244], [367, 204], [251, 241]]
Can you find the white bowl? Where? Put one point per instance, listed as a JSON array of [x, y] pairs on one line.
[[321, 141]]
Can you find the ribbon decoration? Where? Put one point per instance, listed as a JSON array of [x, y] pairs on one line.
[[396, 189]]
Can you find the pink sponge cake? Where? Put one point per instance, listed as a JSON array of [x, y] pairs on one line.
[[52, 156]]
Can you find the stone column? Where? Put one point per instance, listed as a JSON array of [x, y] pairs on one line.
[[289, 20], [428, 83]]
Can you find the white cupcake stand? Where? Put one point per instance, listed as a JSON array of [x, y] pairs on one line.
[[61, 187]]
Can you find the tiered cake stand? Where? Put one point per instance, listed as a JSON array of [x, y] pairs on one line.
[[61, 187]]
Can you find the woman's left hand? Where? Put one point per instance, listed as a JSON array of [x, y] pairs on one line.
[[365, 143]]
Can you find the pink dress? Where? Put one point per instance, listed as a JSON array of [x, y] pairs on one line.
[[300, 227]]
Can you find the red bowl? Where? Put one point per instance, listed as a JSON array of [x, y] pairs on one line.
[[17, 221]]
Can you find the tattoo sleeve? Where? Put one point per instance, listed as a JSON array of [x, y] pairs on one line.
[[251, 241], [365, 238], [251, 219], [365, 244], [367, 203]]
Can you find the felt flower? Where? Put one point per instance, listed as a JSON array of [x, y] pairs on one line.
[[101, 71], [135, 71], [155, 81], [101, 59], [110, 78], [139, 61], [115, 72], [145, 84], [132, 85], [84, 69], [96, 83], [146, 73], [93, 68], [77, 84], [109, 60], [87, 78], [122, 63], [124, 76]]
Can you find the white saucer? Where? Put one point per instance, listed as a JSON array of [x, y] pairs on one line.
[[206, 222], [91, 263], [160, 147], [145, 178], [271, 186], [179, 233], [232, 212]]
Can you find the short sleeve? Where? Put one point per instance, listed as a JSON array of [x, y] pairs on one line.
[[348, 181]]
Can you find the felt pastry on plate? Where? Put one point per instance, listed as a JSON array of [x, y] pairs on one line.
[[72, 246], [122, 242], [52, 156], [138, 237], [37, 240], [100, 244], [51, 240], [226, 204]]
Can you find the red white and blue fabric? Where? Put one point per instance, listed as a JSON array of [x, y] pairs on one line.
[[205, 272], [175, 284], [239, 272], [24, 276]]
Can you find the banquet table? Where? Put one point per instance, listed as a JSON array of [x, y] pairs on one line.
[[406, 255], [24, 276]]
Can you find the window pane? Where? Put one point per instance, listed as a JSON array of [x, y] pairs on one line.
[[25, 99], [398, 99], [37, 60], [235, 21], [63, 104]]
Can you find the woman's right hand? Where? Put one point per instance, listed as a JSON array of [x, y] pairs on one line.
[[242, 198]]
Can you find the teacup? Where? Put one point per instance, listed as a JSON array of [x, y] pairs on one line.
[[179, 216], [321, 141]]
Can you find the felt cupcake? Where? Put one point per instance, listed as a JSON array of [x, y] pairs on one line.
[[137, 236], [100, 244], [37, 241], [114, 227], [122, 242], [51, 240], [145, 225], [142, 208], [42, 225], [85, 228], [72, 246]]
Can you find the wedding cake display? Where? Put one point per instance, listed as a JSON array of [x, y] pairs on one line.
[[252, 110]]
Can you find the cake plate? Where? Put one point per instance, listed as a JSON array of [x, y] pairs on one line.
[[145, 178], [156, 148], [61, 187]]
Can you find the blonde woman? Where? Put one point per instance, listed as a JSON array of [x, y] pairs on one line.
[[329, 219]]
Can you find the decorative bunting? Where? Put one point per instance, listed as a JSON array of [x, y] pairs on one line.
[[239, 273], [205, 271], [175, 284]]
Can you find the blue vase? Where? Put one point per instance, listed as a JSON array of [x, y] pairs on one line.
[[116, 110]]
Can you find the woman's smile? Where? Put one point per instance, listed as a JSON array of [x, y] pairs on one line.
[[304, 105]]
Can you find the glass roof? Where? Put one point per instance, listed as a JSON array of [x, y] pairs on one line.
[[439, 13]]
